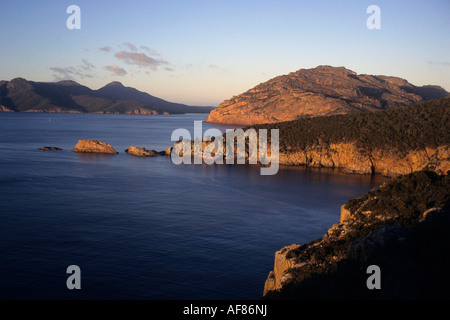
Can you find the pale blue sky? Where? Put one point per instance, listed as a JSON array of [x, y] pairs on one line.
[[203, 52]]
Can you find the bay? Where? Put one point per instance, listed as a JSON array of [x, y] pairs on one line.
[[145, 228]]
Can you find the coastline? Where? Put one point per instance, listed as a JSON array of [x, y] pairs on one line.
[[396, 235], [297, 246]]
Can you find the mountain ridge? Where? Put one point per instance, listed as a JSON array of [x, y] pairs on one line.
[[21, 95]]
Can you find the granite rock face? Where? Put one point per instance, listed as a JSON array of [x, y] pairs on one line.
[[319, 91], [352, 159], [94, 146]]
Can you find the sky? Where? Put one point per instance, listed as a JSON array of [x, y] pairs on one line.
[[204, 52]]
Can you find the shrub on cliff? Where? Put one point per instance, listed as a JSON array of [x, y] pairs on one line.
[[405, 197]]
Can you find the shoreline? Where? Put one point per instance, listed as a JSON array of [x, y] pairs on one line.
[[374, 230]]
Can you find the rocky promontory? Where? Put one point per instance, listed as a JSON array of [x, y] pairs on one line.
[[94, 146], [388, 142], [320, 91], [401, 227]]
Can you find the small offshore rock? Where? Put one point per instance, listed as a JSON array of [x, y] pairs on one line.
[[50, 148], [142, 152], [94, 146]]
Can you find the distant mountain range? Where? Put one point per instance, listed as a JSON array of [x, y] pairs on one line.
[[320, 91], [21, 95]]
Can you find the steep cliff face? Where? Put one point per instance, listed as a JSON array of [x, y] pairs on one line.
[[402, 227], [319, 91], [349, 158], [388, 162]]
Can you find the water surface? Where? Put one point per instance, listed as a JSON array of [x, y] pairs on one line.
[[144, 228]]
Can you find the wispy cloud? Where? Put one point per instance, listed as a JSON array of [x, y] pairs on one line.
[[438, 64], [151, 52], [106, 49], [130, 46], [63, 73], [168, 69], [116, 70], [216, 67], [140, 59], [71, 72], [87, 65]]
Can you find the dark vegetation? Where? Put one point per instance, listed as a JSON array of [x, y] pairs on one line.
[[405, 128], [406, 197]]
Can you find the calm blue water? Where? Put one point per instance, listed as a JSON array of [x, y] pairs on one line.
[[144, 228]]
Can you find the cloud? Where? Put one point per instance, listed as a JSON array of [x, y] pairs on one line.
[[439, 63], [151, 52], [131, 46], [87, 65], [140, 59], [69, 73], [63, 73], [214, 66], [142, 56], [116, 70]]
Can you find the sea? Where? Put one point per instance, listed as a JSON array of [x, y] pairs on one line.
[[146, 228]]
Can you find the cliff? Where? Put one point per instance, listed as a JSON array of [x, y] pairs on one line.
[[402, 227], [320, 91], [388, 162]]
